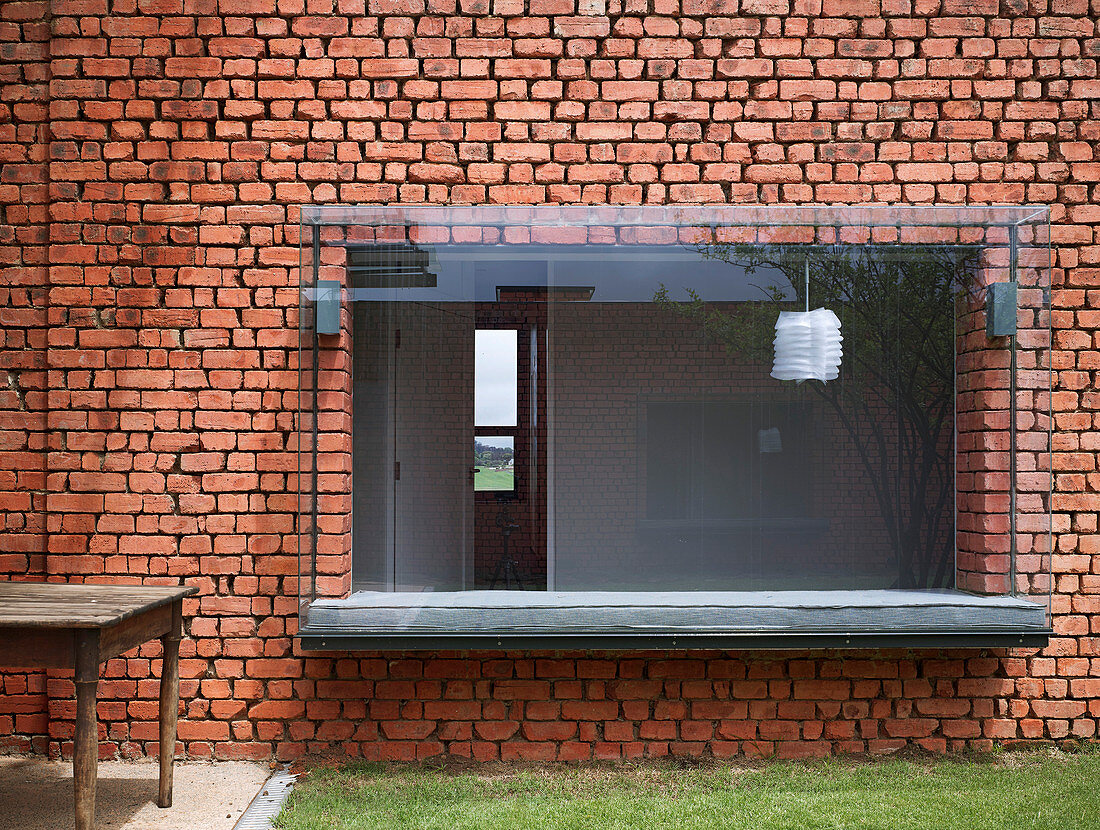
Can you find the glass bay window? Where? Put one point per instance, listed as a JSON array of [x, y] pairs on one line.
[[556, 425]]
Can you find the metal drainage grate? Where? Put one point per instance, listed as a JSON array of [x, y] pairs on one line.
[[267, 803]]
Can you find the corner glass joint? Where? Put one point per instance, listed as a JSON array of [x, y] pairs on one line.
[[1000, 310]]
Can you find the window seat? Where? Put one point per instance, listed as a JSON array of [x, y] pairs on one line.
[[680, 619]]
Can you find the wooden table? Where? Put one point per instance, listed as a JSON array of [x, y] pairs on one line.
[[60, 626]]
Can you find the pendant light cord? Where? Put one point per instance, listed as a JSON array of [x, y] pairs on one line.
[[807, 264]]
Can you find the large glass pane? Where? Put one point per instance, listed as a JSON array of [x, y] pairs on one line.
[[403, 368], [433, 425], [726, 477]]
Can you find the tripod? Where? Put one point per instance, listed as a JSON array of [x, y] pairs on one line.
[[506, 569]]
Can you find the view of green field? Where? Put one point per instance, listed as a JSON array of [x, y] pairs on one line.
[[486, 479]]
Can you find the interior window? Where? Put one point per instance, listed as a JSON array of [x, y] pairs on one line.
[[496, 409], [495, 463]]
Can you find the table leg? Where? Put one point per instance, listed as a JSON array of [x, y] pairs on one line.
[[86, 739], [169, 702]]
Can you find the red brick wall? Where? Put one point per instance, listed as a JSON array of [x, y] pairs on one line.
[[24, 233], [150, 268]]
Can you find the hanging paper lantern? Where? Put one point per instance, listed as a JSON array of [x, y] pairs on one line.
[[807, 345]]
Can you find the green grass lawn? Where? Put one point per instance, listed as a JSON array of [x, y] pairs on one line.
[[486, 479], [1004, 792]]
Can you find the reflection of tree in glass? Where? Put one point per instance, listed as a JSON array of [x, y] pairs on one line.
[[894, 397]]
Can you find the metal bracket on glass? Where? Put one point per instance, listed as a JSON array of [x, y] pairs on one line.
[[328, 306], [1000, 309]]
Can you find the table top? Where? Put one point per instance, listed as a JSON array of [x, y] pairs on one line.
[[64, 605]]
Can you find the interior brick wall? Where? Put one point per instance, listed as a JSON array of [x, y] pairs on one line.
[[153, 153]]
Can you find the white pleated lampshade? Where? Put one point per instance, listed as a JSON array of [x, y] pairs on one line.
[[807, 345]]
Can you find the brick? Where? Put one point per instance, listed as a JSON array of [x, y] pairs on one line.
[[765, 7], [628, 90], [390, 68], [496, 730]]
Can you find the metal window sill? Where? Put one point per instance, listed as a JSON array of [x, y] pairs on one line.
[[765, 620]]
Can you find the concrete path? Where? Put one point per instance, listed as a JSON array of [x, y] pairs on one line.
[[37, 794]]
